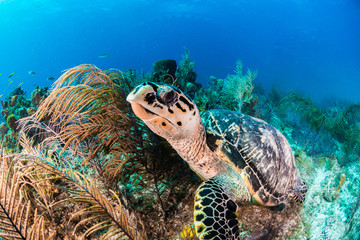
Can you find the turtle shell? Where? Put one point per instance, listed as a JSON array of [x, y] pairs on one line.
[[256, 150]]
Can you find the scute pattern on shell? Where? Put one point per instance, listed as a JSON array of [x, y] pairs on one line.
[[257, 150]]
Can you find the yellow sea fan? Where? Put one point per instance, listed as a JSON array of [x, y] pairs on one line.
[[88, 112]]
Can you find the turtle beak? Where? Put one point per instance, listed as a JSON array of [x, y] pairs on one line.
[[138, 100], [137, 94]]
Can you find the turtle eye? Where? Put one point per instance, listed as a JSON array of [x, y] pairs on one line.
[[166, 95], [169, 96]]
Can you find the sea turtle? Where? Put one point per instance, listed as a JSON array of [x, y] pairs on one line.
[[240, 158]]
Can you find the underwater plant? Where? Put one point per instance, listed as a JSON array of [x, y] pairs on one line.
[[241, 87], [233, 93], [342, 123], [186, 75]]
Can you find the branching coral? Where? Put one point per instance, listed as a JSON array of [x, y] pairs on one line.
[[82, 190], [89, 110]]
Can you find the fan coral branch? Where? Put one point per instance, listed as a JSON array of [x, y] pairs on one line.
[[17, 218], [91, 116], [85, 192], [240, 86]]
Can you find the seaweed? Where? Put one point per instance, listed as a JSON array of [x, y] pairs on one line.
[[341, 123]]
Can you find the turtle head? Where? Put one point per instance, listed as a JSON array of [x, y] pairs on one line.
[[165, 109]]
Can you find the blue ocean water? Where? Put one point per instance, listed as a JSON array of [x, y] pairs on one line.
[[307, 45]]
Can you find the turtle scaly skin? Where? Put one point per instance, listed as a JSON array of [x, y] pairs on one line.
[[240, 158], [256, 150]]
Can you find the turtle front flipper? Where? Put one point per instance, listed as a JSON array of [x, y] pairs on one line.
[[214, 213]]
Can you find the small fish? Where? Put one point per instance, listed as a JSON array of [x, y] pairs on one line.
[[11, 75], [50, 79], [31, 73], [10, 82], [104, 55], [20, 84], [1, 95]]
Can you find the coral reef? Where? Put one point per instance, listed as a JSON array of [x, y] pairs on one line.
[[79, 164], [233, 93], [92, 135], [164, 71], [11, 122], [343, 125], [241, 86], [186, 76], [38, 95], [15, 107], [327, 212]]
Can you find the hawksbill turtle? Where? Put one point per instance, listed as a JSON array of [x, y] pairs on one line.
[[241, 159]]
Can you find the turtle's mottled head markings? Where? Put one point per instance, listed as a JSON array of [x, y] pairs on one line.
[[165, 109]]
